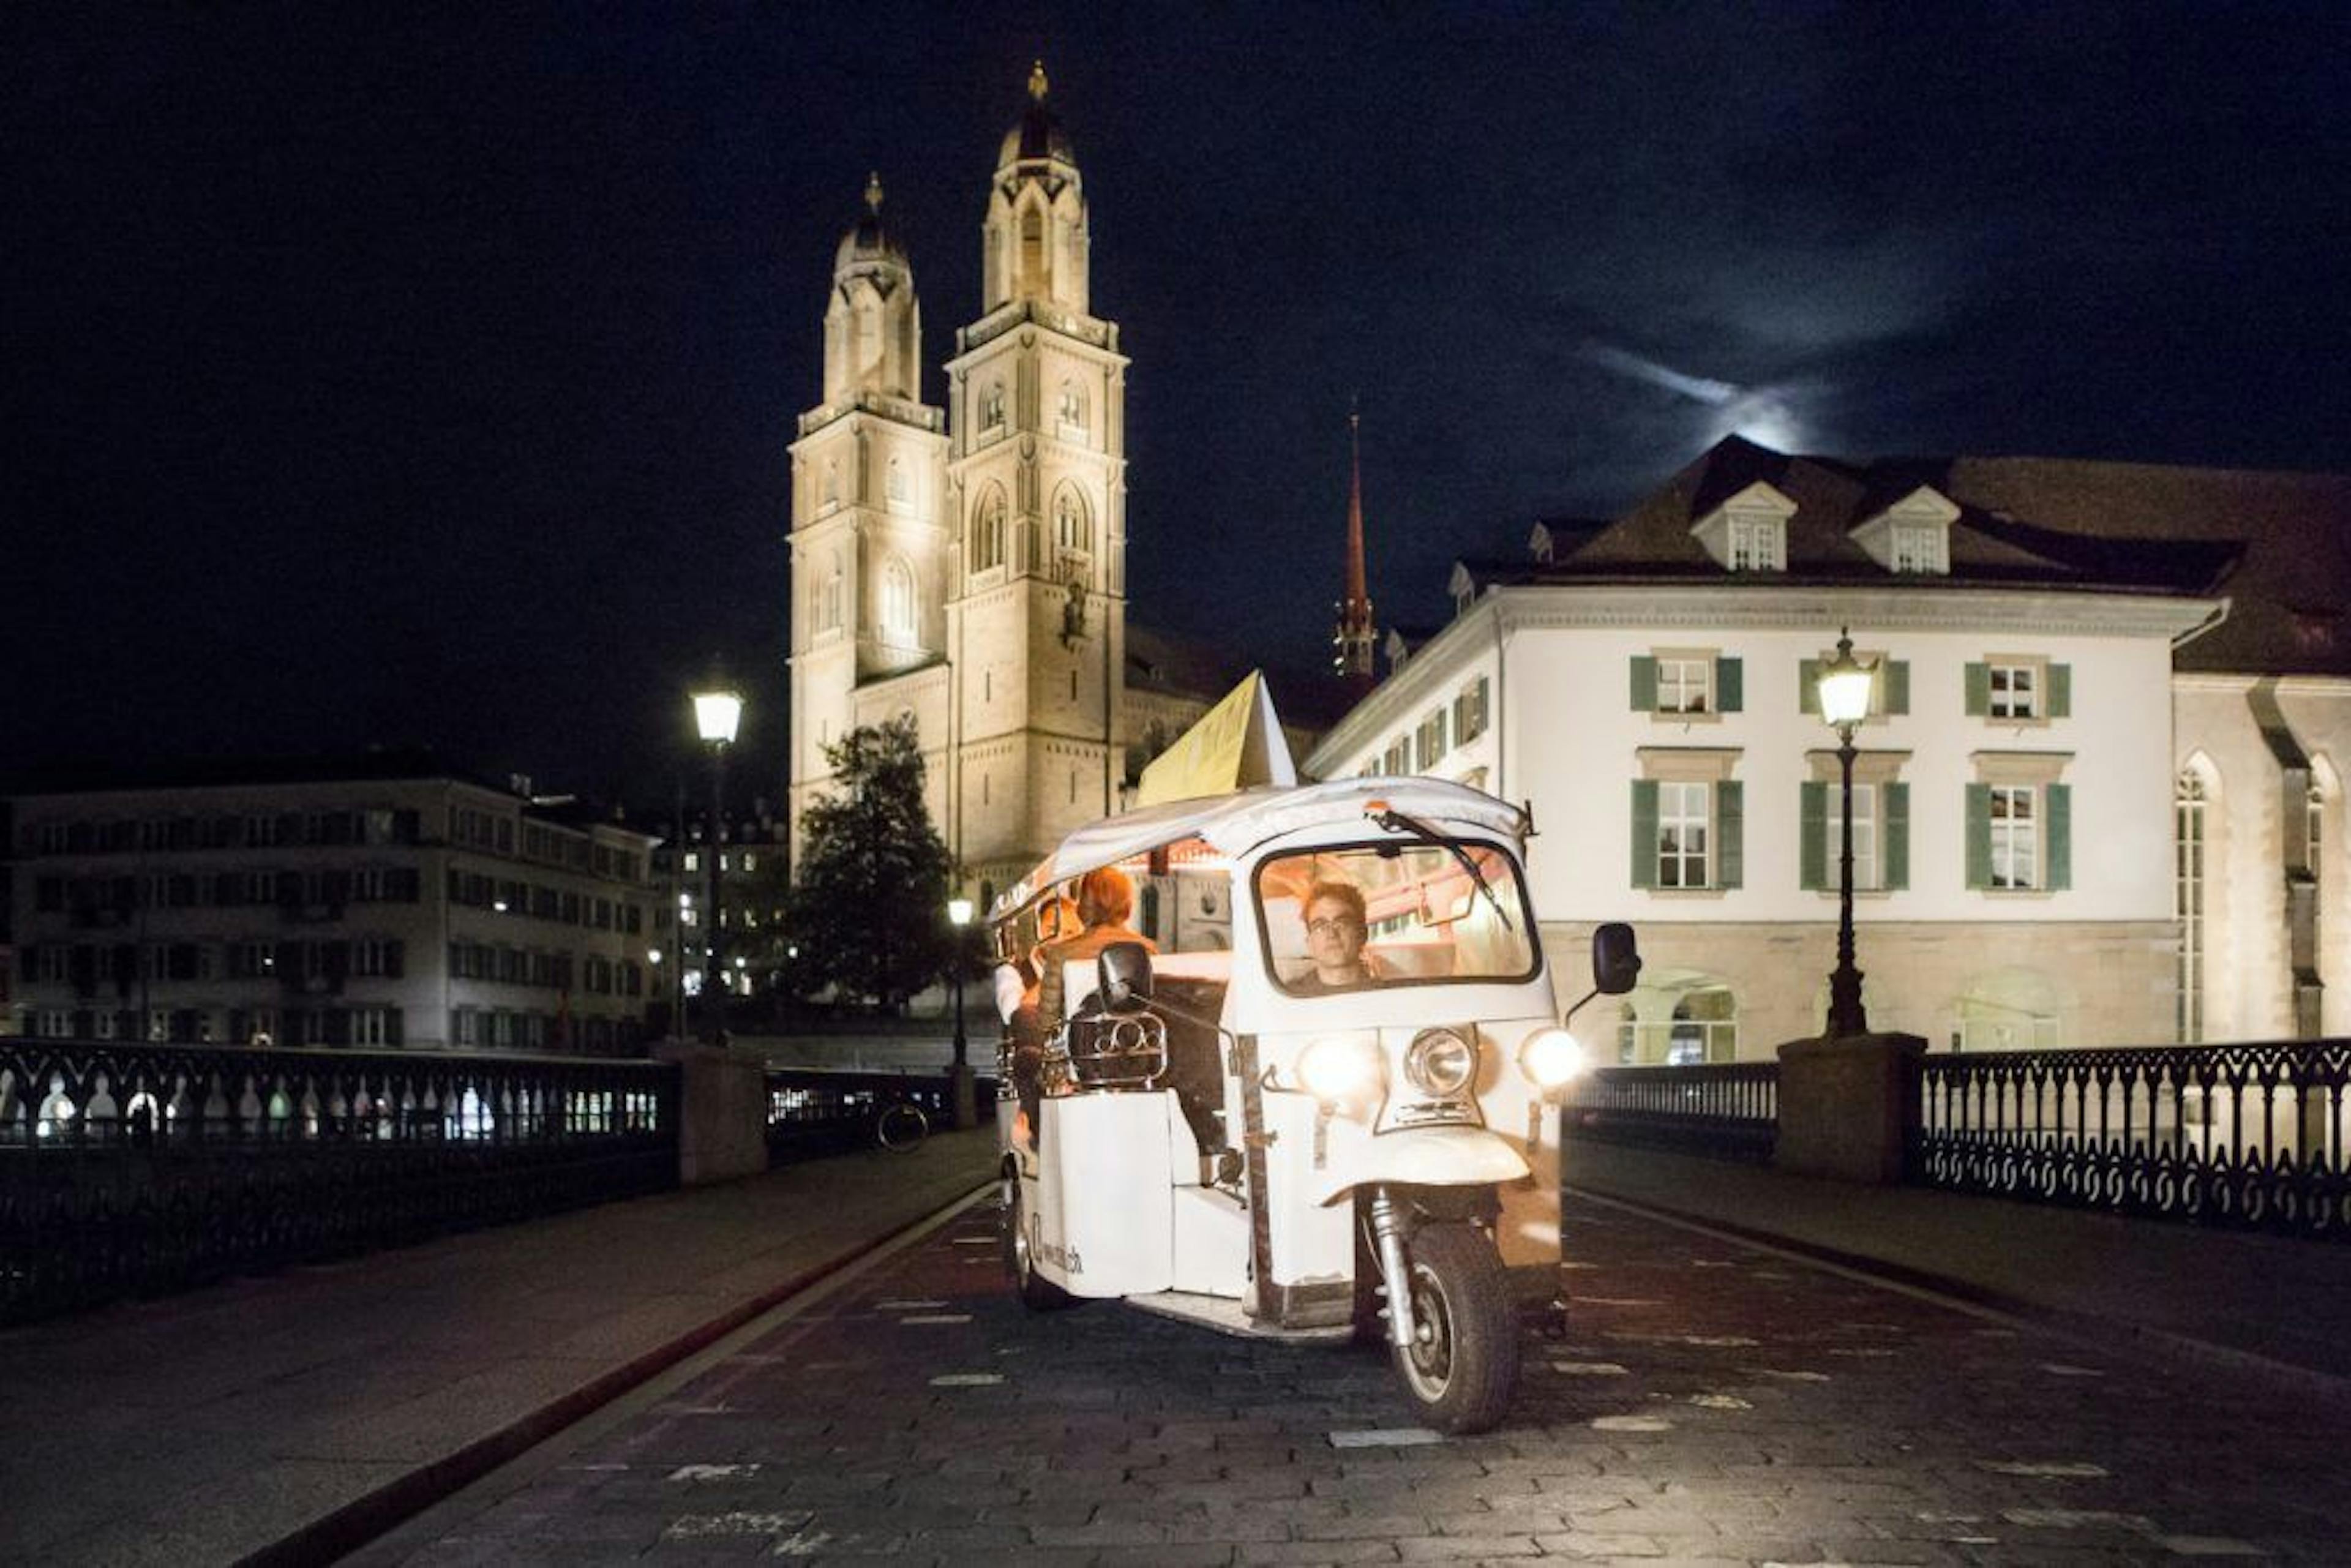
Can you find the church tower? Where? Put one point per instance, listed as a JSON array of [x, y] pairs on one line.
[[1036, 606], [870, 534], [1350, 642]]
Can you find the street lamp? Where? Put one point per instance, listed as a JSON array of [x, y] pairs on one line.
[[967, 1111], [1844, 686], [718, 710]]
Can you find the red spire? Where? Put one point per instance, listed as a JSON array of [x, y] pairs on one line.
[[1353, 641]]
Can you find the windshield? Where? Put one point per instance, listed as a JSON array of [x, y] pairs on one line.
[[1400, 912]]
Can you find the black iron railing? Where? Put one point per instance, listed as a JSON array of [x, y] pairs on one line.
[[2243, 1135], [1728, 1108], [131, 1169], [813, 1111]]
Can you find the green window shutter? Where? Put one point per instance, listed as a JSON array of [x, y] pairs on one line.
[[1644, 832], [1730, 833], [1979, 690], [2061, 691], [2058, 808], [1729, 685], [1898, 836], [1978, 832], [1808, 686], [1812, 839], [1645, 683], [1898, 685]]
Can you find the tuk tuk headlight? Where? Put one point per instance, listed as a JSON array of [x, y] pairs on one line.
[[1440, 1062], [1551, 1057], [1333, 1070]]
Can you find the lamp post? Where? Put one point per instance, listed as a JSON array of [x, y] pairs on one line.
[[718, 710], [1844, 686], [966, 1108]]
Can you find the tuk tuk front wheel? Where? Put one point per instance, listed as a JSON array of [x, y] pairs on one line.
[[1462, 1367], [1037, 1293]]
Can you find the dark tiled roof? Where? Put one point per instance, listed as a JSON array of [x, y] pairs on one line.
[[1990, 546]]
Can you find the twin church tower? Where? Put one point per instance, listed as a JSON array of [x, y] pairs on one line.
[[967, 566]]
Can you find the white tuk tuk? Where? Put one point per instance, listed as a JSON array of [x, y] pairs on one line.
[[1327, 1104]]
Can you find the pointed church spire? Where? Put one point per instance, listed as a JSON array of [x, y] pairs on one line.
[[1353, 639]]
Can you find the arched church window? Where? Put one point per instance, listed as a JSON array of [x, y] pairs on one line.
[[1032, 248], [1074, 408], [2187, 804], [1073, 528], [898, 595], [991, 406], [984, 550], [830, 596]]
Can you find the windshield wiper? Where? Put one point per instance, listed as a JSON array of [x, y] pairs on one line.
[[1397, 822]]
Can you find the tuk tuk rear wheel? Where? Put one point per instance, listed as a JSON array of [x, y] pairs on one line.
[[1462, 1367], [1037, 1293]]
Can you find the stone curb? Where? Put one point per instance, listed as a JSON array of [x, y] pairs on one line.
[[365, 1518]]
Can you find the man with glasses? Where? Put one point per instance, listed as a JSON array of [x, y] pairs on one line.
[[1336, 926]]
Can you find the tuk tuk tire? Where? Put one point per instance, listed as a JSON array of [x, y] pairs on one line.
[[1037, 1293], [1464, 1369]]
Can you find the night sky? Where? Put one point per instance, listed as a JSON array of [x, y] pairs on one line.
[[423, 374]]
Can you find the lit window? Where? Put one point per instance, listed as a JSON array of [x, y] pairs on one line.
[[898, 595], [2015, 836], [1758, 544], [985, 549], [1683, 826], [1920, 548]]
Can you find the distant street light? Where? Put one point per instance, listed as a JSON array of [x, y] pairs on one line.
[[1844, 686], [966, 1110], [718, 710]]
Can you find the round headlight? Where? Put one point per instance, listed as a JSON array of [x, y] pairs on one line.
[[1338, 1069], [1551, 1057], [1440, 1062]]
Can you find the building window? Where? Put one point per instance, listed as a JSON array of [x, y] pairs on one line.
[[991, 408], [1688, 820], [1686, 683], [896, 485], [1469, 711], [2019, 688], [1428, 741], [2020, 824], [1758, 544], [1921, 548], [1684, 823], [1072, 411], [1881, 824], [1398, 759], [985, 546], [1073, 533], [898, 596], [2188, 903], [830, 596]]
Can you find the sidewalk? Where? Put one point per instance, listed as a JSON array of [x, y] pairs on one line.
[[309, 1409], [2267, 1305]]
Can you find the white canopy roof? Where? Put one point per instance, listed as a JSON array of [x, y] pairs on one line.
[[1234, 825]]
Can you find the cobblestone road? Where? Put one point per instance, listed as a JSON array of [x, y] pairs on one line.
[[1711, 1403]]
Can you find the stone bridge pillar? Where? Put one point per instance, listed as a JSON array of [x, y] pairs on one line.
[[1848, 1105]]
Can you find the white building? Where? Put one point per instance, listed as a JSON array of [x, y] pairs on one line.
[[2023, 842], [374, 905]]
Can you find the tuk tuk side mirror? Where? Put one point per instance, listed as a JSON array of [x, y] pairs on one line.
[[1123, 973], [1616, 958]]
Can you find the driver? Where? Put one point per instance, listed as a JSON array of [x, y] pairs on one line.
[[1336, 926]]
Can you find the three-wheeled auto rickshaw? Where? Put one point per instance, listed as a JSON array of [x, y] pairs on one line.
[[1326, 1104]]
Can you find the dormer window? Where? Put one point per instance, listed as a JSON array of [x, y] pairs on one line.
[[1748, 532], [1758, 544], [1921, 548]]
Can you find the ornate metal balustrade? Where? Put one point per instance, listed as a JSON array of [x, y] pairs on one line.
[[1726, 1109], [813, 1112], [2243, 1135], [131, 1169]]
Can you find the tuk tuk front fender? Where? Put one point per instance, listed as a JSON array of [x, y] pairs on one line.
[[1423, 1156]]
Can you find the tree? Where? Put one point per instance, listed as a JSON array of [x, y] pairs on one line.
[[869, 902]]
